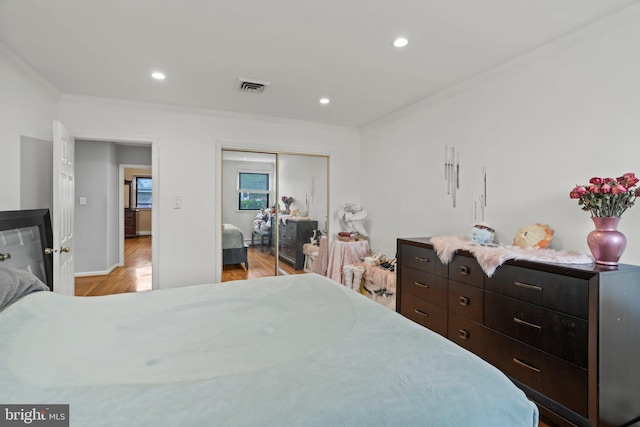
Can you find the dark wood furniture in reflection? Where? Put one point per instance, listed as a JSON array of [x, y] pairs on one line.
[[568, 335], [130, 214], [293, 235]]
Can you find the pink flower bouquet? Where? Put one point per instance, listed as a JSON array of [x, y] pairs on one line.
[[607, 197]]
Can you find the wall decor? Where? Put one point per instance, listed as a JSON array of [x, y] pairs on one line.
[[452, 171], [480, 201]]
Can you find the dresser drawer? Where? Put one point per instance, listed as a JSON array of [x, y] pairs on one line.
[[466, 300], [559, 292], [288, 235], [466, 333], [427, 286], [466, 270], [549, 375], [288, 250], [419, 258], [556, 333], [291, 230], [425, 313]]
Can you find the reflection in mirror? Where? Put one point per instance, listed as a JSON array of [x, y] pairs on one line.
[[248, 193], [303, 181], [258, 238]]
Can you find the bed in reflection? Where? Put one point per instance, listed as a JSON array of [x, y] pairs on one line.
[[234, 249]]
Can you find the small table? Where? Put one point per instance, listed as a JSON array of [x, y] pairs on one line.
[[345, 253]]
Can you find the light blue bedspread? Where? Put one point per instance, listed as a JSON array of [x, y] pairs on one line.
[[231, 237], [290, 351]]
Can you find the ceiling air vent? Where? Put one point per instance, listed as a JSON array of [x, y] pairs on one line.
[[251, 86]]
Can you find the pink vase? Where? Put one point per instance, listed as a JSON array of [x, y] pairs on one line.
[[606, 242]]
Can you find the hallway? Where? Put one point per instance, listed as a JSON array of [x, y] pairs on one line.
[[134, 276]]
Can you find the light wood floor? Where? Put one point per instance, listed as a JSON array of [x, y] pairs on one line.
[[135, 275], [261, 264]]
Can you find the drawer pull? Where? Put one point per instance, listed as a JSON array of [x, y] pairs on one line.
[[527, 286], [422, 259], [464, 301], [424, 285], [420, 312], [464, 270], [531, 325], [525, 365], [464, 334]]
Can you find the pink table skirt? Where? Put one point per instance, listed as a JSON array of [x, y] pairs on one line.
[[345, 253]]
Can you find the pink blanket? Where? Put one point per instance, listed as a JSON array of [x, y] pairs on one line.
[[491, 257]]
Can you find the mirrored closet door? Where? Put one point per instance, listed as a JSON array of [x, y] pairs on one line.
[[274, 209]]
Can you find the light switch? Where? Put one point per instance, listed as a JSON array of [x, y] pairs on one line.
[[83, 201], [177, 202]]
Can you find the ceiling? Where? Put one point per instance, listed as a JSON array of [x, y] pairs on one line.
[[306, 49]]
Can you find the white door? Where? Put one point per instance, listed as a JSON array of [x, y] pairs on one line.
[[63, 209]]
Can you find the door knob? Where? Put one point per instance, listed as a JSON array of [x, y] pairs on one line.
[[5, 256], [48, 251], [65, 249]]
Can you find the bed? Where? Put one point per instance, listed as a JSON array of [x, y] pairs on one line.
[[234, 249], [297, 350]]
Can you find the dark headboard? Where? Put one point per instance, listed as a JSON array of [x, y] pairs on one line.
[[24, 235]]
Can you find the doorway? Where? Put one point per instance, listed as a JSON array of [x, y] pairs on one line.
[[135, 245], [277, 203], [100, 207]]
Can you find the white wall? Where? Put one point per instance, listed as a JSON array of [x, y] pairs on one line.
[[36, 170], [188, 145], [305, 178], [540, 125], [27, 108]]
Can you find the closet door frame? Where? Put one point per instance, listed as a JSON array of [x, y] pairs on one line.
[[220, 148]]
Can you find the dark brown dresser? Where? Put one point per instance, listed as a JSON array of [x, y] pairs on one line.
[[567, 335], [293, 236], [130, 223]]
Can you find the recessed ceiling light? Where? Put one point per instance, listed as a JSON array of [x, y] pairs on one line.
[[158, 75], [324, 100], [400, 42]]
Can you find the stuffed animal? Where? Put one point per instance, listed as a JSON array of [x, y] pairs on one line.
[[534, 236], [481, 233]]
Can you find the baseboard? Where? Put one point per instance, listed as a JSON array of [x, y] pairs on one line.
[[144, 233], [96, 273]]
